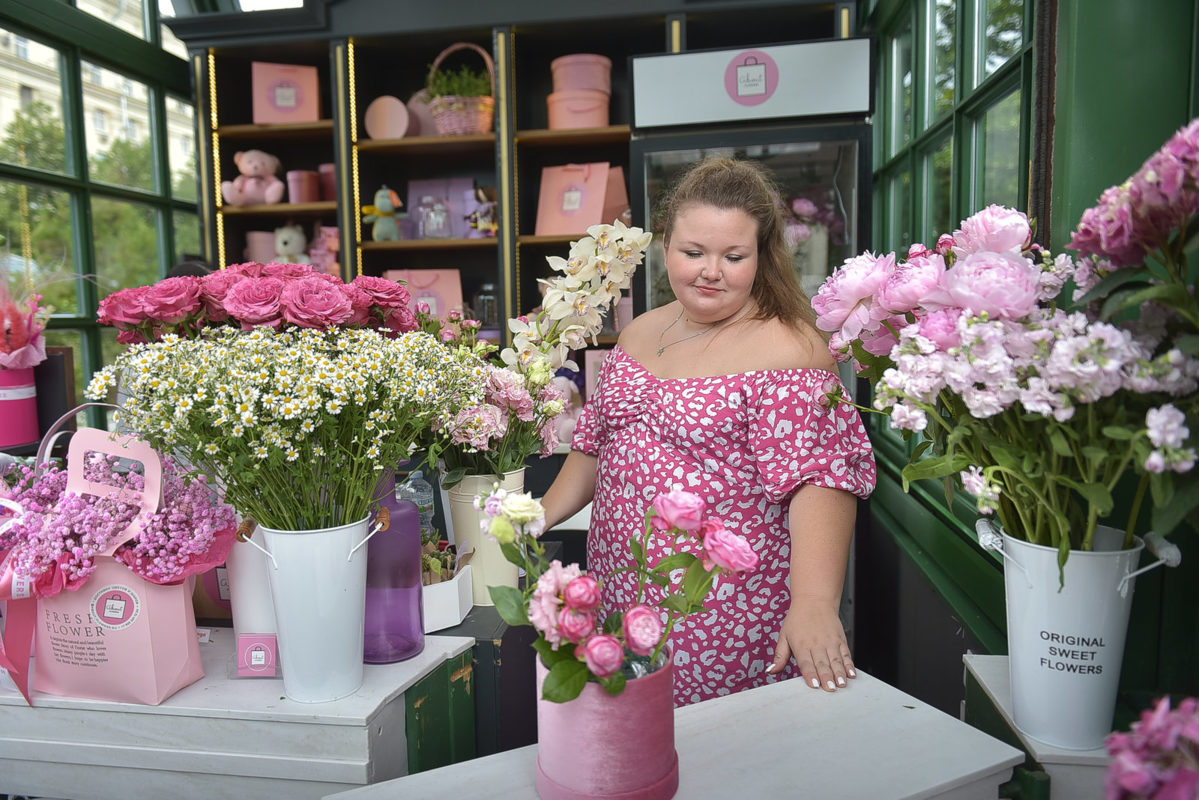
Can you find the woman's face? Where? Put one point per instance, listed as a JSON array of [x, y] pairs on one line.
[[711, 259]]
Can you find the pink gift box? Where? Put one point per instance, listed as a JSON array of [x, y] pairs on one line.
[[18, 407], [285, 93]]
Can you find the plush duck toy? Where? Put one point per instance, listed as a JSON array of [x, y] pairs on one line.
[[383, 214]]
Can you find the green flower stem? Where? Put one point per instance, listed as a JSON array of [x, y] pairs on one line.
[[1135, 511]]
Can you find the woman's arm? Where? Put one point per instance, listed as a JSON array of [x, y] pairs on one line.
[[571, 490], [821, 522]]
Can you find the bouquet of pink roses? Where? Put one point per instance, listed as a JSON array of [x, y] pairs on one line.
[[248, 295], [1036, 410], [1159, 758], [577, 642], [54, 541]]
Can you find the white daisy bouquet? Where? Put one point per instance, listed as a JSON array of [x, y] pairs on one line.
[[514, 420], [296, 425]]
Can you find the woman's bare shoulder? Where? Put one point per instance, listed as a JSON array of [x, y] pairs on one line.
[[780, 346], [641, 333]]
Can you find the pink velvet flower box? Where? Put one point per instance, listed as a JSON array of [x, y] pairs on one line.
[[285, 93]]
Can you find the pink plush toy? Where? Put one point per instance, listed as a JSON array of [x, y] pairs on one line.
[[258, 182]]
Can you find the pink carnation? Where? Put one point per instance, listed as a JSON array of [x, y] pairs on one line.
[[314, 303]]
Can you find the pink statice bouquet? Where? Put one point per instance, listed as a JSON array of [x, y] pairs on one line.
[[22, 344], [250, 295], [1159, 758], [1036, 407], [53, 542], [577, 642]]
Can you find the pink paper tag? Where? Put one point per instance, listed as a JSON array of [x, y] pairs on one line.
[[257, 655]]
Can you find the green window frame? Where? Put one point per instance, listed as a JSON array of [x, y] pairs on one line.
[[87, 198]]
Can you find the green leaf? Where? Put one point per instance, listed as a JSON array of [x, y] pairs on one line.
[[614, 684], [637, 550], [1059, 444], [1094, 493], [1118, 433], [937, 467], [1166, 294], [550, 656], [675, 602], [565, 681], [920, 449], [1182, 505], [1188, 344], [1112, 282], [675, 561], [614, 622], [1095, 455], [510, 604]]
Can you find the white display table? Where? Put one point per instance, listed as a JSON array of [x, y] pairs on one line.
[[870, 741], [221, 737], [1073, 774]]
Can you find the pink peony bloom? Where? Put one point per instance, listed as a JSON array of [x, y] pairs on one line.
[[907, 287], [213, 288], [678, 509], [995, 228], [172, 300], [575, 626], [642, 629], [582, 594], [941, 328], [726, 550], [1002, 285], [603, 654], [255, 301], [123, 309], [313, 303], [845, 302]]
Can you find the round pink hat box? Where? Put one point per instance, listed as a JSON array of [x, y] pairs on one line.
[[578, 108], [582, 71]]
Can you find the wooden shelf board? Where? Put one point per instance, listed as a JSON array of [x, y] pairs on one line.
[[433, 244], [480, 142], [323, 127], [280, 209], [550, 240], [612, 134]]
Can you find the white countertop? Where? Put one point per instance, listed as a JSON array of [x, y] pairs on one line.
[[870, 741]]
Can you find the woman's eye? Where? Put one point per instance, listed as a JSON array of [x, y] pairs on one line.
[[735, 259], [692, 253]]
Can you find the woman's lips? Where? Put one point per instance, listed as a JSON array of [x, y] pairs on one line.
[[707, 289]]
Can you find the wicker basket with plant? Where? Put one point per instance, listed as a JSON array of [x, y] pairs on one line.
[[461, 101]]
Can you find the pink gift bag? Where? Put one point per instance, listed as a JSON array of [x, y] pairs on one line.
[[440, 288], [576, 196]]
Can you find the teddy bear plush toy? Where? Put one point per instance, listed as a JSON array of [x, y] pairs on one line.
[[258, 183], [290, 244]]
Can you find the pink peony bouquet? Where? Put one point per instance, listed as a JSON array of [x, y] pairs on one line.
[[1036, 408], [1159, 758], [53, 542], [576, 640], [22, 344], [249, 295]]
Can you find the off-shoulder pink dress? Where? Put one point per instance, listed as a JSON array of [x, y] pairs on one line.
[[744, 443]]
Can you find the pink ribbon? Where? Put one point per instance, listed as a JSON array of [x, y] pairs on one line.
[[16, 646]]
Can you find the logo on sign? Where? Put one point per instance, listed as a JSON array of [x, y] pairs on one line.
[[572, 199], [751, 77], [115, 607], [285, 95]]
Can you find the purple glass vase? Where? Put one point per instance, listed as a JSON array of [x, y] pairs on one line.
[[394, 627]]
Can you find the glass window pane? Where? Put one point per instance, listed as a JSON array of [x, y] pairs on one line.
[[38, 244], [187, 235], [901, 89], [944, 57], [899, 220], [72, 338], [1003, 34], [126, 244], [937, 174], [999, 138], [125, 14], [181, 133], [31, 83], [117, 124], [170, 42]]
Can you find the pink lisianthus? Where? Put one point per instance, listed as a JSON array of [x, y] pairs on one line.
[[478, 426], [582, 594], [173, 300], [604, 655], [255, 301], [642, 629], [845, 303], [313, 303], [996, 229], [726, 550], [124, 309], [678, 509]]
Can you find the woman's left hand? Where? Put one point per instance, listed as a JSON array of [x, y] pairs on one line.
[[813, 635]]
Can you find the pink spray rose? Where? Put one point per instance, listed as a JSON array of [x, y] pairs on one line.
[[678, 509], [603, 654], [994, 228], [582, 594], [173, 300], [255, 301], [727, 550], [576, 626], [313, 303], [642, 629], [1003, 285], [123, 309]]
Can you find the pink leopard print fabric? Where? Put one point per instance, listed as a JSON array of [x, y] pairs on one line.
[[744, 443]]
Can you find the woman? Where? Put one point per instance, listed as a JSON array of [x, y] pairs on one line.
[[724, 392]]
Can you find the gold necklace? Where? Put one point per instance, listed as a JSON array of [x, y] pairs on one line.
[[662, 347]]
